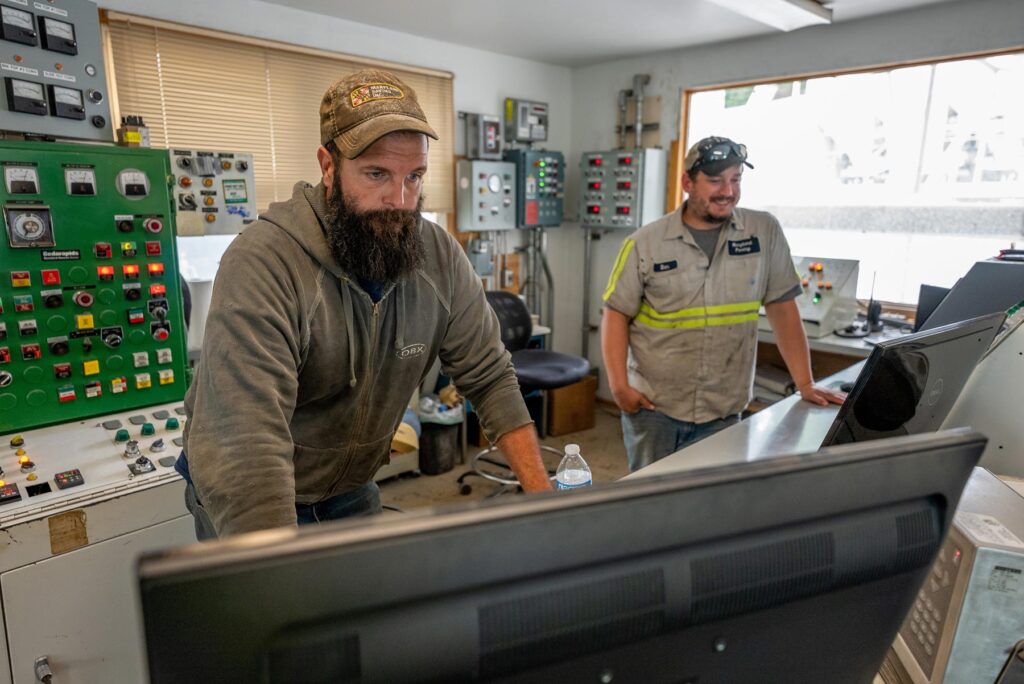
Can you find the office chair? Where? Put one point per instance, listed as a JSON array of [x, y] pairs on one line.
[[536, 369]]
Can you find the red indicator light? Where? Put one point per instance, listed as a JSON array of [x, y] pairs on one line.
[[595, 161], [156, 269], [105, 272], [157, 290], [595, 185], [624, 185], [594, 209], [130, 270], [621, 210], [626, 161], [153, 248]]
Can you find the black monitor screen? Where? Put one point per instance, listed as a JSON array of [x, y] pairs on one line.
[[928, 298], [909, 384], [797, 569]]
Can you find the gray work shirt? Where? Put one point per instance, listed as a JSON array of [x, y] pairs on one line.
[[693, 333]]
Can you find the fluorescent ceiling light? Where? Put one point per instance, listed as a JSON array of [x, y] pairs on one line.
[[785, 15]]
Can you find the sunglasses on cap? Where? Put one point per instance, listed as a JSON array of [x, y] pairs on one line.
[[719, 149]]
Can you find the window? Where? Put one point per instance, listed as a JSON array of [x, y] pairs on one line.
[[916, 171], [211, 90]]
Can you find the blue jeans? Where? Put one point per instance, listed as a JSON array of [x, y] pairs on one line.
[[359, 502], [651, 435]]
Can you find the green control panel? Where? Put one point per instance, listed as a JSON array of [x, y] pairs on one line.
[[91, 316]]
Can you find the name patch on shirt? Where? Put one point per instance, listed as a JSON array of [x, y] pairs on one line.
[[743, 247], [665, 266]]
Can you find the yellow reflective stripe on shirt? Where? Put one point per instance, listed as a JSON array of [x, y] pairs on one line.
[[739, 307], [620, 263], [644, 319]]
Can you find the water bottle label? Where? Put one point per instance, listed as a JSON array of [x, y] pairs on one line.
[[566, 485]]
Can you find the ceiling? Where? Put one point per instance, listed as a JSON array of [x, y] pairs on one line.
[[574, 32]]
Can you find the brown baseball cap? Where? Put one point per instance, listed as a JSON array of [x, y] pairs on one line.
[[358, 109], [715, 154]]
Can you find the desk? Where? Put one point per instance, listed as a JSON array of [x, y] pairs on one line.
[[844, 346], [790, 426]]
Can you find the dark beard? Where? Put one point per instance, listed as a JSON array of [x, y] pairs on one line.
[[378, 246]]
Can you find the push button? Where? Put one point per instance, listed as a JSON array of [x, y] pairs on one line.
[[84, 322], [90, 367]]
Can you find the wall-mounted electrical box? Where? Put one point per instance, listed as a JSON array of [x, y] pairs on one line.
[[622, 188], [51, 64], [525, 121], [485, 195], [90, 301], [483, 136], [540, 179], [215, 192]]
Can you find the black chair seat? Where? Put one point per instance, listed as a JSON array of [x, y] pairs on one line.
[[539, 369]]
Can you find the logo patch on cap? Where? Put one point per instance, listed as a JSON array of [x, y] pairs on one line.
[[368, 92]]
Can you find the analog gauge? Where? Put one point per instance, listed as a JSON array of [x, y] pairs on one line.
[[21, 180], [29, 226], [494, 183], [27, 89], [68, 96], [60, 29], [80, 181], [15, 17], [133, 184]]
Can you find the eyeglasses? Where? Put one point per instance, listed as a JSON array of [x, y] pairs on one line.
[[718, 149]]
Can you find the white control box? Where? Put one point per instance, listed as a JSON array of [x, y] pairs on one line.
[[215, 192], [829, 297]]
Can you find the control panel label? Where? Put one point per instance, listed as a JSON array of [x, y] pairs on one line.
[[59, 77], [18, 69], [49, 8], [61, 254]]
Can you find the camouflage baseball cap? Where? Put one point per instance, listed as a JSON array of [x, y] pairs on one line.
[[360, 108], [714, 154]]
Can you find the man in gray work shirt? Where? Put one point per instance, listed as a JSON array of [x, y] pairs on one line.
[[682, 306], [327, 313]]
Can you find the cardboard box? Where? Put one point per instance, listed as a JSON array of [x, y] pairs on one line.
[[571, 408]]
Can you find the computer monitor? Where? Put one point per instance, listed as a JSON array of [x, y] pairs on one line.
[[797, 569], [990, 286], [928, 298], [909, 384]]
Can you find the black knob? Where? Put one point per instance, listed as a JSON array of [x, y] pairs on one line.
[[95, 95], [113, 340], [185, 162], [133, 293], [54, 301], [98, 121], [241, 165], [59, 348]]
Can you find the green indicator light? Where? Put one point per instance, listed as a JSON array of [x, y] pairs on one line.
[[541, 174], [541, 184], [542, 164]]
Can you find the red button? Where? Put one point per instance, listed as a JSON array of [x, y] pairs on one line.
[[51, 277], [157, 290], [156, 270], [153, 248], [160, 335]]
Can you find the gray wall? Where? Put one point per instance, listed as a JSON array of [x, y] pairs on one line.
[[947, 29]]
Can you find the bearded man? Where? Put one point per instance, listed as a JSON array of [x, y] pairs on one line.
[[326, 315]]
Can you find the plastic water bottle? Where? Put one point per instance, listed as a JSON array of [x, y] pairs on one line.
[[573, 471]]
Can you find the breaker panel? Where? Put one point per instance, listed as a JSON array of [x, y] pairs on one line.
[[51, 63], [215, 192], [91, 316], [486, 195], [622, 188], [540, 178]]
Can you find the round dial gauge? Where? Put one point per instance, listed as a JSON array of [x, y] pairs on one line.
[[80, 175], [60, 29], [494, 183], [67, 96], [17, 18], [32, 91], [29, 227]]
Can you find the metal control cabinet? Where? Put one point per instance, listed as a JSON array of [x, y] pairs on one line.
[[829, 297], [622, 188], [90, 302], [51, 63], [485, 195], [483, 136], [525, 121], [970, 611], [540, 178], [215, 192]]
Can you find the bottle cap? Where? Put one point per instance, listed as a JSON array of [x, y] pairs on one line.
[[572, 448]]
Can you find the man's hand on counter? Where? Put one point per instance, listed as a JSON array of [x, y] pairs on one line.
[[822, 396]]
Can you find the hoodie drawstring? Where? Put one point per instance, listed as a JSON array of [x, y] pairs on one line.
[[400, 322], [350, 323]]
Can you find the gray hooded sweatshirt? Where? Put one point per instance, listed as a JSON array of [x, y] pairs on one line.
[[304, 379]]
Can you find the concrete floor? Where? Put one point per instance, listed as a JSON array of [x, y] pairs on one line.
[[600, 446]]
